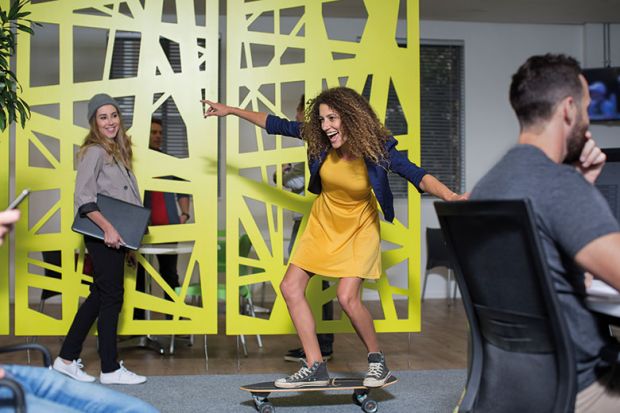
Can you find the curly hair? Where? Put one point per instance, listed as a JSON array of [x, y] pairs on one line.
[[118, 148], [366, 135]]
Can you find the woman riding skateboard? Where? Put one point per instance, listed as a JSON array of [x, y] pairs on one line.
[[349, 155]]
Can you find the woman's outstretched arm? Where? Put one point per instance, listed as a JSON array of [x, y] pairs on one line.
[[272, 124], [435, 187], [220, 109]]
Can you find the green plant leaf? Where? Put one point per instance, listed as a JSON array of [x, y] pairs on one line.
[[24, 28], [11, 111], [13, 22]]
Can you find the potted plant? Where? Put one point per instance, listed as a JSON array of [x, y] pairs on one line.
[[12, 107]]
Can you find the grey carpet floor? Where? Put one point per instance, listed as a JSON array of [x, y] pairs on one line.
[[417, 391]]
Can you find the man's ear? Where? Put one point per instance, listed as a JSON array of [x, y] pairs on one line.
[[568, 106]]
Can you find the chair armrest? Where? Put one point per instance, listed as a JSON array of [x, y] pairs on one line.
[[47, 357], [18, 394]]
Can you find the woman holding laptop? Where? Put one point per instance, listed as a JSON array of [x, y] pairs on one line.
[[104, 167]]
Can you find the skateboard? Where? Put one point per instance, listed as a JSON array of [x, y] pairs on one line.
[[260, 392]]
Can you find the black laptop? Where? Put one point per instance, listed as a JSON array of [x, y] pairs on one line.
[[129, 220]]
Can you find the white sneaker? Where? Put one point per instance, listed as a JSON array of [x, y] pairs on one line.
[[121, 376], [73, 370]]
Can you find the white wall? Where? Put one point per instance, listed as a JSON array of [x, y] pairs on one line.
[[493, 52]]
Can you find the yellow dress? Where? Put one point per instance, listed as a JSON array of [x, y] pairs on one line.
[[342, 236]]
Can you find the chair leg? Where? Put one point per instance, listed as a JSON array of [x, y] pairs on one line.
[[206, 354], [171, 349], [243, 345], [253, 314], [450, 300], [424, 284], [454, 287], [262, 298]]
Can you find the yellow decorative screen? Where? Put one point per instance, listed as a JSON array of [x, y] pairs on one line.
[[275, 50], [76, 46], [272, 46]]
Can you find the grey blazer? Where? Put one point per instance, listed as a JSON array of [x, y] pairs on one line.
[[99, 173]]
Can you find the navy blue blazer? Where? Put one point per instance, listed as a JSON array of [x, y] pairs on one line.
[[377, 174]]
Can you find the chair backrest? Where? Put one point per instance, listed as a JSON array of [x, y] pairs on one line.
[[437, 254], [245, 246], [521, 355]]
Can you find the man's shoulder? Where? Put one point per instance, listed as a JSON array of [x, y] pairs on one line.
[[523, 171]]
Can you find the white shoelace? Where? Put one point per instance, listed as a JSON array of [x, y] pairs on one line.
[[301, 374], [78, 363], [375, 369], [80, 366], [124, 370]]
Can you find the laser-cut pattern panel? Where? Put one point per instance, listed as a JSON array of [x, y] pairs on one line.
[[45, 152], [270, 45]]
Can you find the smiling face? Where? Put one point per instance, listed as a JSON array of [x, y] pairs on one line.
[[332, 126], [108, 121]]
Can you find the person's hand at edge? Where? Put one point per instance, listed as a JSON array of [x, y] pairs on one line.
[[7, 219]]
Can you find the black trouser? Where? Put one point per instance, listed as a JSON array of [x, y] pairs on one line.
[[168, 271], [326, 341], [103, 304]]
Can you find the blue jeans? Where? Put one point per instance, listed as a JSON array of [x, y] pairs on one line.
[[50, 391]]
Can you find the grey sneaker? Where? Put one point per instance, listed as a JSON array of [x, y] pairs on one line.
[[378, 372], [306, 377]]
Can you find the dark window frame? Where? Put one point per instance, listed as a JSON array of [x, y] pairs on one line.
[[442, 116], [125, 63]]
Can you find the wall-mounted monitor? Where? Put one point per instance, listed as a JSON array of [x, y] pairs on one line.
[[604, 85]]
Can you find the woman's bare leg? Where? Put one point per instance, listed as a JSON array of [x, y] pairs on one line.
[[350, 298], [293, 287]]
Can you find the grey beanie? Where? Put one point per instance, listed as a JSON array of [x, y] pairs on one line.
[[98, 101]]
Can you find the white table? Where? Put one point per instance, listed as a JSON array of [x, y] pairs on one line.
[[174, 248], [603, 299]]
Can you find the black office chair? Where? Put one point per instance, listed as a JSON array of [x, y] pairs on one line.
[[18, 402], [437, 255], [521, 354]]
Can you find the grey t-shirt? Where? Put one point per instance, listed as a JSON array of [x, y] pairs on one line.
[[570, 213]]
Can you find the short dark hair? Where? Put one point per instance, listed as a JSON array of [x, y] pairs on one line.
[[302, 103], [541, 83], [157, 121]]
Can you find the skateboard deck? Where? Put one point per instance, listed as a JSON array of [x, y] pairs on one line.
[[260, 392]]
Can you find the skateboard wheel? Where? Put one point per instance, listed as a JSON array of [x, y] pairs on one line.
[[267, 408], [370, 406], [358, 398]]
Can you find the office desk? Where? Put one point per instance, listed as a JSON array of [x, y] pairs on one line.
[[149, 251]]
